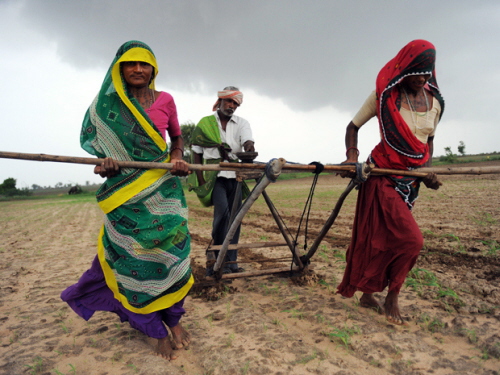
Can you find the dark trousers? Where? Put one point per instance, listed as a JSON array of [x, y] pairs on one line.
[[223, 198]]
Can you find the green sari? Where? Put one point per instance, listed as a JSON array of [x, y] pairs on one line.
[[144, 244], [207, 134]]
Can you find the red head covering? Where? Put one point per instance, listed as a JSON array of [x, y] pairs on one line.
[[399, 148]]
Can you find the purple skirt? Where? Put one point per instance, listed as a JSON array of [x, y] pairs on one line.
[[91, 294]]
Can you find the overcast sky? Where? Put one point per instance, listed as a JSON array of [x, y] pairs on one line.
[[305, 67]]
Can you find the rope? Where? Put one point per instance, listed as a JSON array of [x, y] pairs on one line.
[[319, 168]]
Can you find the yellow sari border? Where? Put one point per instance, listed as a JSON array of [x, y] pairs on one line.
[[124, 194], [137, 54], [160, 304]]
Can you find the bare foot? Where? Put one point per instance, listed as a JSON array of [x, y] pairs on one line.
[[368, 301], [180, 337], [391, 308], [165, 349]]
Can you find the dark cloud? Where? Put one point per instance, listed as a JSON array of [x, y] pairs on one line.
[[310, 54]]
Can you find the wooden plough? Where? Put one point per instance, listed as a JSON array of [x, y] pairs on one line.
[[270, 172]]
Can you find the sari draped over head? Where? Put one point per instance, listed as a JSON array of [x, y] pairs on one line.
[[399, 148], [207, 134], [144, 244]]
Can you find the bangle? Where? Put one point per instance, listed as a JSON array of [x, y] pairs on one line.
[[352, 148], [177, 148]]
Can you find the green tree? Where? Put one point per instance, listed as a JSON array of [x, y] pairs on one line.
[[461, 148], [8, 188], [8, 184], [187, 132], [449, 157]]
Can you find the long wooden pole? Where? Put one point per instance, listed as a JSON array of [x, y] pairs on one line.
[[249, 166], [421, 172], [97, 161]]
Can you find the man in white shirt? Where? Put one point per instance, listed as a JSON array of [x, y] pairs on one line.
[[218, 138]]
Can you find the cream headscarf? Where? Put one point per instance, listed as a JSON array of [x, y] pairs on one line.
[[235, 95]]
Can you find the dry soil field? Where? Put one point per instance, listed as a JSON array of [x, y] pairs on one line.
[[268, 324]]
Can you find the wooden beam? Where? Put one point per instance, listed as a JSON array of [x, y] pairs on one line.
[[269, 271], [332, 168], [254, 245]]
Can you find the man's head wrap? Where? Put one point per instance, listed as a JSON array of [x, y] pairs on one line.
[[235, 95]]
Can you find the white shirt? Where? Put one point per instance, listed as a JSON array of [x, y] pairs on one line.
[[237, 132]]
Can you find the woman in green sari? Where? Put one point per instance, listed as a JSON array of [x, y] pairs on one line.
[[142, 269]]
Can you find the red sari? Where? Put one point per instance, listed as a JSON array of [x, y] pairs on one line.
[[386, 239]]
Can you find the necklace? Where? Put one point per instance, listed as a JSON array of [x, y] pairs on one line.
[[151, 97], [150, 101], [414, 114]]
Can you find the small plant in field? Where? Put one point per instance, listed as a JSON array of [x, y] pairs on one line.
[[484, 219], [323, 255], [343, 335], [14, 338], [210, 319], [230, 339], [116, 356], [228, 309], [493, 247], [470, 334], [435, 325], [330, 286], [424, 318], [295, 313], [270, 290], [485, 355], [419, 277], [244, 369], [432, 324], [278, 322], [320, 318], [429, 233], [94, 342], [439, 340], [36, 367], [73, 369], [133, 367], [64, 328], [339, 255], [450, 294], [452, 237], [306, 359]]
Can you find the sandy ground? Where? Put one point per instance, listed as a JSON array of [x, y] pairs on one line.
[[274, 324]]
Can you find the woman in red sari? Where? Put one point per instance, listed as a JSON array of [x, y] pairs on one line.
[[386, 240]]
